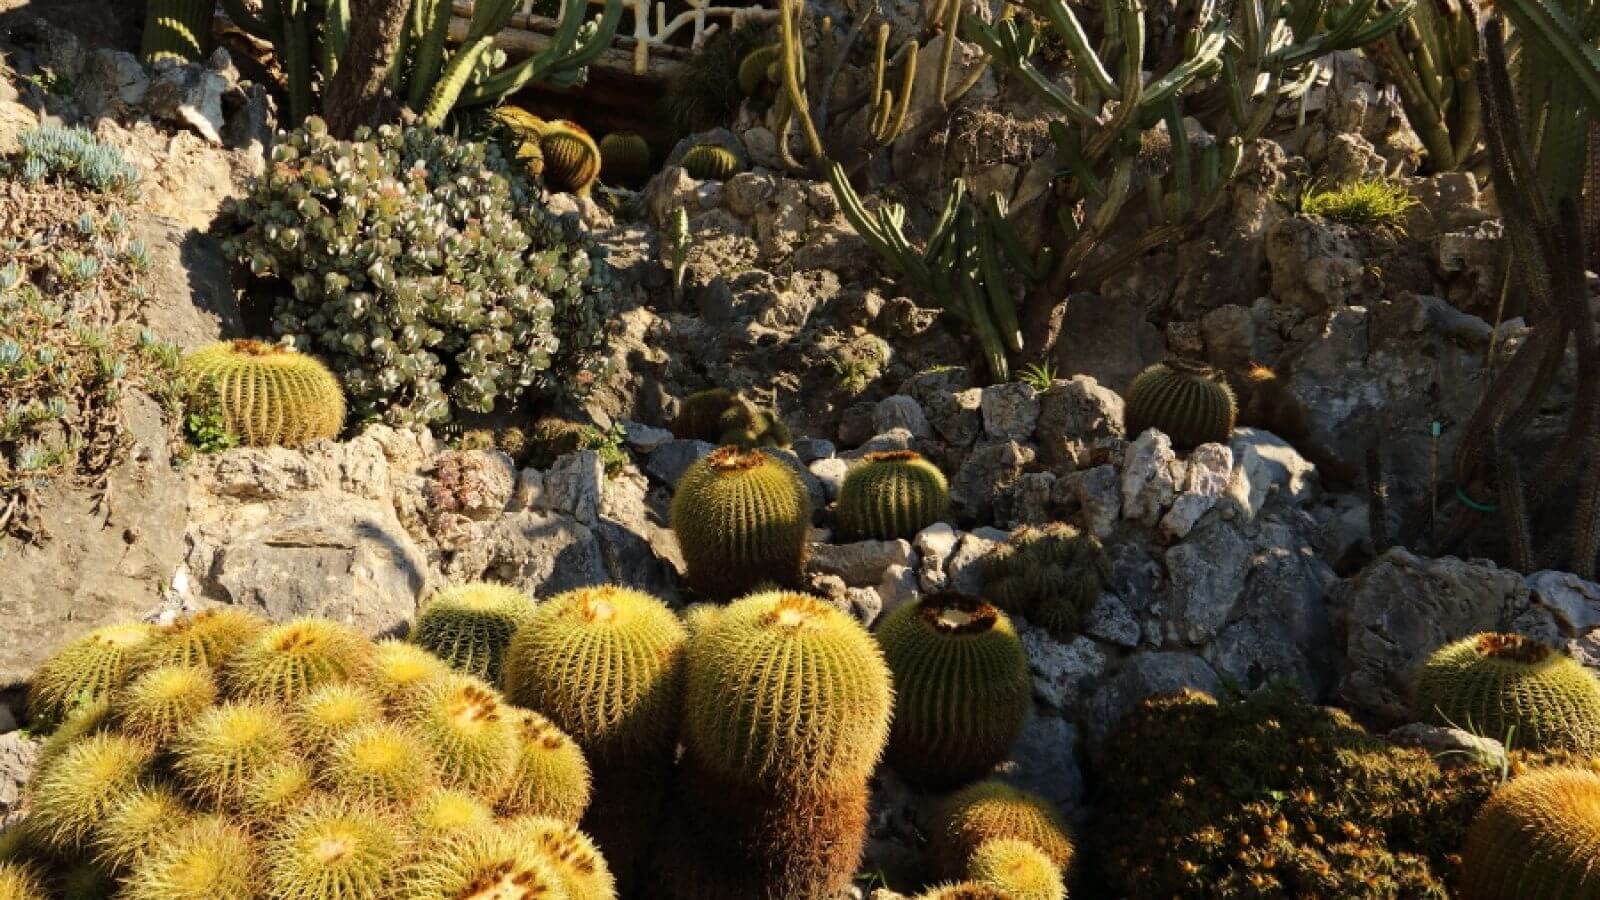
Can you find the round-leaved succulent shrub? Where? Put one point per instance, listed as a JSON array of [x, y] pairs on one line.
[[424, 270]]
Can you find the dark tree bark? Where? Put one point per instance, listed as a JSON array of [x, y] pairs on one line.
[[358, 94]]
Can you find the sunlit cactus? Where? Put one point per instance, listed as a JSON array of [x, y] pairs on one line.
[[991, 810], [1511, 688], [330, 712], [443, 812], [472, 735], [571, 855], [741, 519], [382, 761], [891, 495], [137, 822], [209, 859], [85, 670], [333, 847], [288, 661], [69, 800], [1536, 839], [551, 777], [268, 394], [218, 754], [571, 159], [207, 638], [469, 626], [400, 671], [711, 162], [156, 705]]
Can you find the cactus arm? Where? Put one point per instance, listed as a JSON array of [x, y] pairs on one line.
[[1011, 242], [1182, 75], [451, 82], [426, 64], [575, 45], [336, 36], [1085, 61], [1180, 158], [893, 115], [952, 24], [1002, 43], [1001, 307]]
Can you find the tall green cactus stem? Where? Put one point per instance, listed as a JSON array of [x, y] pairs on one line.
[[87, 669], [176, 29], [712, 162], [1428, 59], [625, 154], [268, 394], [1536, 839], [962, 688], [990, 810], [1511, 688], [675, 249], [571, 159], [892, 494], [741, 519], [1190, 402], [469, 626]]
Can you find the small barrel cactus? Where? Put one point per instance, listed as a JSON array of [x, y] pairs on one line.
[[209, 858], [962, 688], [20, 882], [72, 796], [383, 761], [176, 29], [136, 823], [712, 162], [208, 638], [1511, 688], [225, 748], [400, 671], [755, 69], [330, 712], [700, 414], [571, 159], [551, 778], [155, 705], [482, 863], [85, 670], [892, 494], [334, 846], [1190, 402], [625, 154], [471, 732], [1535, 839], [991, 810], [741, 519], [1017, 867], [268, 394], [572, 856], [288, 661], [1051, 574], [469, 626]]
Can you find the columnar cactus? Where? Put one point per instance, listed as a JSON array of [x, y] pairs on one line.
[[177, 29], [268, 394], [962, 687], [85, 670], [571, 159], [625, 154], [990, 810], [1535, 839], [1190, 402], [741, 519], [711, 162], [892, 494], [470, 625], [1511, 688]]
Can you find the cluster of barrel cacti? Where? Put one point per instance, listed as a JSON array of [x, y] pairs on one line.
[[1051, 574], [266, 394], [995, 840], [222, 757]]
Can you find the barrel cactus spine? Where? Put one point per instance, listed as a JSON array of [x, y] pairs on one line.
[[136, 823], [331, 711], [268, 394], [892, 495], [470, 625], [177, 29], [207, 638], [87, 669], [157, 704], [625, 154], [991, 810], [481, 863], [470, 731], [1188, 401], [1536, 839], [68, 801], [551, 777], [288, 661], [384, 761], [572, 856], [571, 159], [216, 756], [1509, 687], [400, 671], [711, 162], [1017, 867], [207, 859], [333, 847], [741, 519]]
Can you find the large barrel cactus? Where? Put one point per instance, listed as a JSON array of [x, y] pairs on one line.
[[1511, 688], [267, 393], [741, 519], [962, 688], [1190, 402], [893, 494], [1536, 839], [85, 670], [571, 159], [469, 626]]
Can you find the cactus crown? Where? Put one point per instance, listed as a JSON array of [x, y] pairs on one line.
[[741, 518], [955, 613], [1512, 648]]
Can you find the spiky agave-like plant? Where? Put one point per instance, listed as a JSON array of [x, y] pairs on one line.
[[1017, 867], [336, 847], [218, 754], [288, 661], [990, 810], [469, 626], [962, 687], [207, 638], [69, 800], [551, 777], [892, 494], [136, 823], [1506, 685], [571, 159], [1188, 401], [400, 671], [481, 863], [571, 855], [155, 706], [625, 154], [268, 394], [471, 733], [711, 162], [331, 711], [86, 669], [1536, 839], [741, 519], [384, 760], [209, 859]]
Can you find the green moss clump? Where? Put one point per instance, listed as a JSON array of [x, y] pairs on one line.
[[1511, 689]]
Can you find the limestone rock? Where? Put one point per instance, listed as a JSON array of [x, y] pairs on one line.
[[1151, 474], [861, 564], [1010, 411]]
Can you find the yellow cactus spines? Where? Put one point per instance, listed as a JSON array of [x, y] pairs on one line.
[[330, 712], [220, 752], [85, 670], [605, 665], [1502, 685], [207, 638], [277, 788], [893, 494], [71, 798], [443, 812], [1017, 867], [962, 687], [551, 777], [156, 705], [483, 864], [268, 394], [334, 849], [741, 518], [625, 154], [136, 823], [471, 733], [784, 689], [576, 861], [1190, 402], [385, 761], [966, 890], [288, 661], [89, 719], [469, 626], [20, 882], [711, 161], [210, 859], [1536, 839], [571, 159], [400, 671], [990, 810]]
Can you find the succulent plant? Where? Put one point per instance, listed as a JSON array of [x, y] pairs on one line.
[[1535, 839], [384, 761], [962, 687], [208, 859], [1052, 574], [744, 424], [625, 154], [277, 789], [218, 754], [892, 494], [990, 810], [176, 29], [333, 848], [486, 862], [471, 733], [466, 290], [1511, 688], [268, 394], [70, 799], [1018, 868], [84, 721], [551, 777], [207, 638], [85, 670], [20, 882], [741, 519], [155, 706], [331, 711], [400, 671], [137, 822], [1189, 402], [571, 159], [700, 414], [470, 625], [75, 156], [571, 855], [288, 661], [711, 162], [443, 812]]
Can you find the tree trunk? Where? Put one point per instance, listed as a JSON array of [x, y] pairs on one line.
[[358, 94]]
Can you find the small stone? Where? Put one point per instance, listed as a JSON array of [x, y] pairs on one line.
[[963, 572], [644, 438], [1010, 411], [1044, 761], [1111, 621], [574, 486], [1151, 473], [898, 587], [668, 463], [1098, 497], [898, 439], [900, 412], [1208, 471], [1451, 745], [811, 449], [830, 472], [865, 604], [861, 564]]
